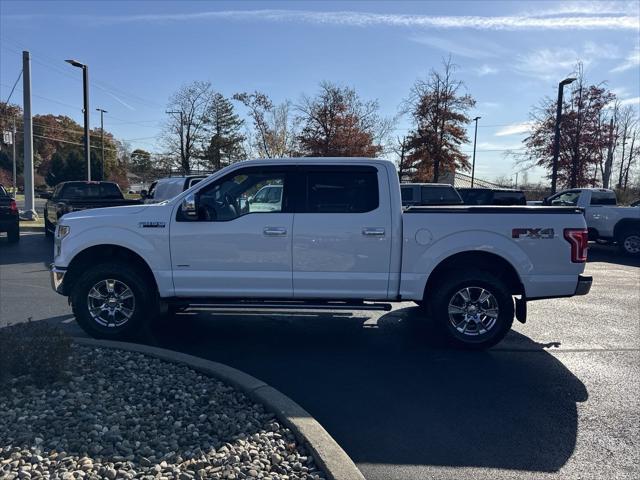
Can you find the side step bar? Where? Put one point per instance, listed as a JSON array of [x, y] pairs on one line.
[[216, 304]]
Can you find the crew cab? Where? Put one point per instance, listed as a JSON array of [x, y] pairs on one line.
[[80, 195], [168, 187], [492, 196], [606, 221], [339, 240], [9, 219]]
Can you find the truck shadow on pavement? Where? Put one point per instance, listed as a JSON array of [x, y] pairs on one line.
[[392, 392], [610, 254]]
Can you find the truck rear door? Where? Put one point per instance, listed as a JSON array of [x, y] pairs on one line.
[[342, 233]]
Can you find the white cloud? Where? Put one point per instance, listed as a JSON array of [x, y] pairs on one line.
[[588, 8], [475, 49], [514, 129], [630, 101], [486, 70], [632, 61], [364, 19]]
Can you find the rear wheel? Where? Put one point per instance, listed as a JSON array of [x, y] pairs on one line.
[[113, 301], [629, 243], [474, 308]]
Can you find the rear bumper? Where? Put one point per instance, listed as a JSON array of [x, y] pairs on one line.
[[57, 278], [8, 224], [584, 284]]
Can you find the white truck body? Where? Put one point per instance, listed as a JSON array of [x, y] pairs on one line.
[[381, 254], [606, 220]]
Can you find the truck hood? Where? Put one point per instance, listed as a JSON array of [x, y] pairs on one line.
[[106, 212]]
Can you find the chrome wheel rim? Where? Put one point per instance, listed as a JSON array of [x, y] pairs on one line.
[[473, 311], [632, 244], [111, 303]]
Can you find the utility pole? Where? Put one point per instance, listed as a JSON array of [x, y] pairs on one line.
[[29, 211], [102, 112], [473, 164], [14, 141], [556, 139], [85, 94]]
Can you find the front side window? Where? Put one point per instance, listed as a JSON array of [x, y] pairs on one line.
[[240, 194], [336, 191], [566, 199]]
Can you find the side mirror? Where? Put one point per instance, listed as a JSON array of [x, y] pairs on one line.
[[545, 201], [250, 199], [144, 194], [189, 208], [45, 195]]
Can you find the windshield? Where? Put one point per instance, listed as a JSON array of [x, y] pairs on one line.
[[91, 191]]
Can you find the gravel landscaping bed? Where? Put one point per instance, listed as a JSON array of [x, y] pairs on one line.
[[126, 415]]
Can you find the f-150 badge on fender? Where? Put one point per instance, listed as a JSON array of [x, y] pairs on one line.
[[535, 233], [151, 224]]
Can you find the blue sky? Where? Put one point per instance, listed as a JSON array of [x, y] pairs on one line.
[[509, 54]]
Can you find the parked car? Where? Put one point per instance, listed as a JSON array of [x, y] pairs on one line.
[[9, 219], [267, 199], [80, 195], [492, 196], [166, 188], [607, 222], [340, 240], [414, 194]]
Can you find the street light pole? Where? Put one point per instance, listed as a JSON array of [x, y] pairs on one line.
[[102, 112], [85, 91], [473, 163], [556, 138]]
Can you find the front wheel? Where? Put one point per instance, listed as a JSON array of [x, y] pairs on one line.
[[13, 235], [113, 301], [474, 309], [630, 243]]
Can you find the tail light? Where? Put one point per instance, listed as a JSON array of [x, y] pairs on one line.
[[578, 238], [13, 207]]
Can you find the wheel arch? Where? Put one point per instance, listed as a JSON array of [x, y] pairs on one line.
[[109, 252], [478, 259], [625, 225]]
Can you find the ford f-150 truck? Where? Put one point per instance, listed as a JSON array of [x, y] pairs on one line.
[[339, 240], [606, 221]]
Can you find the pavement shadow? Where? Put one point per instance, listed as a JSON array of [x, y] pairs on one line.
[[32, 248], [610, 254], [391, 391]]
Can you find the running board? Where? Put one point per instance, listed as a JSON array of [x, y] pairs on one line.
[[278, 305]]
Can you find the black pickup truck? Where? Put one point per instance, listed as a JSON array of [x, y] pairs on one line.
[[81, 195], [9, 221]]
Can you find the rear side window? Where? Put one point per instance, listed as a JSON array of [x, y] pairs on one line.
[[342, 191], [407, 194], [3, 192], [603, 198], [440, 195], [509, 198]]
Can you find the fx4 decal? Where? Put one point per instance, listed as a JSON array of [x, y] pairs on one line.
[[151, 224], [535, 233]]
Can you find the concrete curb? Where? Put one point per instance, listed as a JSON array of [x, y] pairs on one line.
[[326, 452], [32, 228]]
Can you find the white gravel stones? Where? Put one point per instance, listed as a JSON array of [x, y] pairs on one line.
[[123, 415]]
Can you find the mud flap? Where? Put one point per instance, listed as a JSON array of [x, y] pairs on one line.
[[521, 309]]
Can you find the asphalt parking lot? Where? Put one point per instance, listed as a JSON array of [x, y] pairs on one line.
[[559, 398]]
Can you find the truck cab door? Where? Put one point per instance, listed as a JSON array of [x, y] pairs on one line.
[[228, 248], [342, 233]]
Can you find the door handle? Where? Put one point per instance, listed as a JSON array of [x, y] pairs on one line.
[[274, 231], [373, 232]]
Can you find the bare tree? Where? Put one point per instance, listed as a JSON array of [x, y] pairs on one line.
[[273, 135], [628, 129], [186, 128]]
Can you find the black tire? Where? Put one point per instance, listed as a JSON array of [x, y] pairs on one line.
[[495, 328], [629, 242], [145, 306], [13, 235], [48, 228]]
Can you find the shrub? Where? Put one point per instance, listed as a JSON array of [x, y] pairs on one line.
[[34, 349]]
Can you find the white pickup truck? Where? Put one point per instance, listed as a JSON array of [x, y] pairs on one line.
[[339, 240], [606, 221]]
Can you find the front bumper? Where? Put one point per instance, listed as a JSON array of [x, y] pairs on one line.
[[57, 278], [584, 284]]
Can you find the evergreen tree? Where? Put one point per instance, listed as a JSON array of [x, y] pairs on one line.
[[225, 144]]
